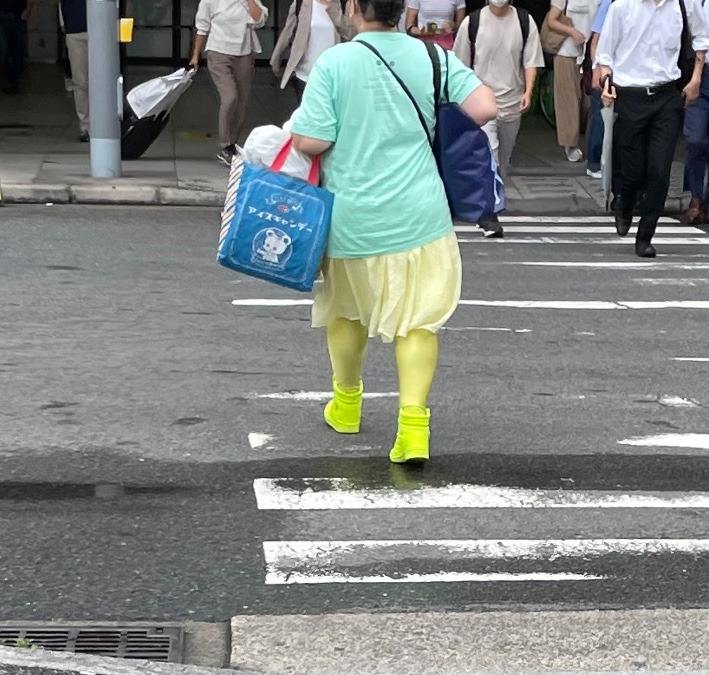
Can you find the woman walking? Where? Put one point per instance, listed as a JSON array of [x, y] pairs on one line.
[[568, 93], [227, 28], [312, 27], [393, 266], [435, 20]]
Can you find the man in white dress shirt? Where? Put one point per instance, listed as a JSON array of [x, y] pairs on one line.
[[640, 48]]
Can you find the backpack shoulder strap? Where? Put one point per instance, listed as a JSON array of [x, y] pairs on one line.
[[436, 63], [473, 28], [685, 21], [402, 85], [523, 16], [298, 7]]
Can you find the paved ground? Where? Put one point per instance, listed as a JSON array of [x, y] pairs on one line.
[[144, 415], [42, 161]]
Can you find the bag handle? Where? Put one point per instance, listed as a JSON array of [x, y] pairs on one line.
[[403, 86], [282, 156]]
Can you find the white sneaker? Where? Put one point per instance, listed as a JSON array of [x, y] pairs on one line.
[[594, 174], [574, 155]]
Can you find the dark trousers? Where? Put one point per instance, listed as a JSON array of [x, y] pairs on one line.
[[595, 132], [647, 131], [13, 47], [696, 133], [299, 87]]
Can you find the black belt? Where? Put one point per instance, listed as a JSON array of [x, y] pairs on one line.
[[649, 91]]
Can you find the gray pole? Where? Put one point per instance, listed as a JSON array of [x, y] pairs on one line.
[[104, 74]]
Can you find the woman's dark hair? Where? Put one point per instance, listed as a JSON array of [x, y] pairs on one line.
[[387, 12]]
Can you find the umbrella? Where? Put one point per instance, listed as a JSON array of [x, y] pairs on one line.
[[609, 116]]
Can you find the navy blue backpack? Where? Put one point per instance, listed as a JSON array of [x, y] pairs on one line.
[[466, 162]]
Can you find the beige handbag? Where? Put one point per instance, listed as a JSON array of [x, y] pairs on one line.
[[551, 40]]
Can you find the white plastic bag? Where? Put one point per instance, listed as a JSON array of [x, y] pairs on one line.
[[160, 94], [264, 143]]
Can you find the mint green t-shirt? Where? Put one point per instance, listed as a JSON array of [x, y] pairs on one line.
[[388, 194]]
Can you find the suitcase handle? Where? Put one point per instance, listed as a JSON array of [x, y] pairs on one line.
[[282, 156]]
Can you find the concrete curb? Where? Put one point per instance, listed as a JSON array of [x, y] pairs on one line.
[[143, 195], [135, 195], [41, 662]]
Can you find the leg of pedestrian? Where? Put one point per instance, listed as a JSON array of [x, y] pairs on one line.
[[696, 134], [664, 131], [595, 136], [416, 360], [490, 224], [244, 76], [219, 66], [347, 344], [567, 105], [78, 48], [632, 136]]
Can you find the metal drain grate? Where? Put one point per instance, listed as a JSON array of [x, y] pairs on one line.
[[154, 643]]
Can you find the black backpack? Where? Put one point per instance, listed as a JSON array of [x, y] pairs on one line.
[[474, 26]]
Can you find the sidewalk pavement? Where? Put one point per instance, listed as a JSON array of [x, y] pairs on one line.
[[42, 162]]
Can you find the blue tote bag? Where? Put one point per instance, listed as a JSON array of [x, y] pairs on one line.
[[466, 162], [275, 227]]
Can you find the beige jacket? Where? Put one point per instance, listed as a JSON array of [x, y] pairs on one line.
[[296, 33]]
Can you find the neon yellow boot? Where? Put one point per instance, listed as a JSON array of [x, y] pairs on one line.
[[344, 412], [413, 436]]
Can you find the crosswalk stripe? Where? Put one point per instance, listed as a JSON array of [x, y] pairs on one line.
[[662, 241], [664, 220], [624, 265], [570, 229], [516, 304], [319, 494], [689, 441], [312, 562]]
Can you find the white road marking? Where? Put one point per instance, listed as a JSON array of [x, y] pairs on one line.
[[589, 304], [692, 359], [271, 302], [280, 578], [259, 440], [313, 562], [570, 229], [670, 282], [321, 494], [318, 395], [678, 402], [693, 441], [520, 304], [573, 219], [628, 265], [661, 241], [479, 328]]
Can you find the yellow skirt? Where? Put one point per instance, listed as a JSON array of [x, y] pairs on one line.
[[395, 293]]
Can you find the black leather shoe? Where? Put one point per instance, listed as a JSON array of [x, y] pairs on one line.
[[644, 249], [623, 223]]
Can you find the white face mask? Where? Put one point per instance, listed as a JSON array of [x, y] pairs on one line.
[[499, 3]]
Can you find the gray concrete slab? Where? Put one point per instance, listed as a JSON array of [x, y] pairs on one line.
[[448, 644]]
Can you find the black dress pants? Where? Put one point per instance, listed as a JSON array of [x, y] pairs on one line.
[[646, 133]]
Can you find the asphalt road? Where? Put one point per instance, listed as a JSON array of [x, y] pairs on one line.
[[138, 406]]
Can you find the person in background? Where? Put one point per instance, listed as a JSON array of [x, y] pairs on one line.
[[696, 158], [639, 48], [502, 60], [392, 267], [77, 45], [435, 20], [568, 94], [13, 40], [227, 29], [310, 29]]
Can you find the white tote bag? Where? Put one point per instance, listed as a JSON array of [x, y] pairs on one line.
[[159, 95]]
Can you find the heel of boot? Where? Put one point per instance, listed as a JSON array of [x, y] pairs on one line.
[[413, 437]]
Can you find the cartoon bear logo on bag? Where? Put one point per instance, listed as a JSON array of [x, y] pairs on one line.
[[273, 247]]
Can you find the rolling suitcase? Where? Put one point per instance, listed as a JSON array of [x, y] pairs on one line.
[[146, 110]]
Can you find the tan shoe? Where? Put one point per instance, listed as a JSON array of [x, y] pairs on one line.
[[696, 213]]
